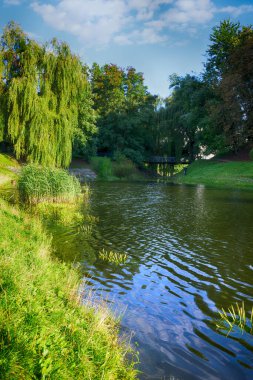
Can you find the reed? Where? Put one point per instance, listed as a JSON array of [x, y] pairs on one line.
[[235, 317], [113, 257], [43, 184]]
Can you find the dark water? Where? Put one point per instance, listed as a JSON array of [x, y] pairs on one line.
[[190, 252]]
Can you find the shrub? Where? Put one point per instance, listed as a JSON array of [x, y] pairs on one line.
[[102, 166], [39, 184], [124, 168], [251, 154], [134, 155]]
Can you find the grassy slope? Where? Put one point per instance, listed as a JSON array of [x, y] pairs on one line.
[[8, 166], [222, 174], [45, 332]]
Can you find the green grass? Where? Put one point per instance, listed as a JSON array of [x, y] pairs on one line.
[[45, 332], [41, 184], [236, 317], [120, 169], [8, 168], [102, 166], [220, 174]]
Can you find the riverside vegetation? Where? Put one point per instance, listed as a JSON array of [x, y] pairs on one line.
[[45, 90], [49, 327], [220, 174], [53, 107]]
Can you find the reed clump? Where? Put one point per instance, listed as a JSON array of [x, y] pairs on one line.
[[38, 184], [113, 257], [235, 317]]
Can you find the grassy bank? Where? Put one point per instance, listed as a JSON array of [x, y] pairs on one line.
[[45, 332], [47, 329], [220, 174], [8, 168]]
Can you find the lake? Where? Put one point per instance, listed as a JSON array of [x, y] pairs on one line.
[[190, 253]]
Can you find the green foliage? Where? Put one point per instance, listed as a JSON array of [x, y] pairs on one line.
[[118, 168], [113, 257], [124, 109], [224, 38], [251, 154], [102, 166], [123, 168], [229, 71], [49, 328], [48, 99], [83, 139], [9, 169], [235, 317], [41, 184], [180, 122]]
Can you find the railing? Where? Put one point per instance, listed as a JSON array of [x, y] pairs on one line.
[[165, 160]]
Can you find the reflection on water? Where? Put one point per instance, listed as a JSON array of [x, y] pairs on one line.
[[190, 251]]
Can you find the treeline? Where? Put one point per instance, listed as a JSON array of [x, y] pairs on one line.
[[53, 107]]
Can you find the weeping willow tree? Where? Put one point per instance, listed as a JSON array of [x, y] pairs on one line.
[[43, 88], [2, 107]]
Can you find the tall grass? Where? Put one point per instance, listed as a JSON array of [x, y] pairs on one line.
[[120, 168], [39, 184], [102, 166], [124, 168], [45, 331], [235, 317]]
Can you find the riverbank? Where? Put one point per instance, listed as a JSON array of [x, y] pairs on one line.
[[106, 169], [9, 168], [49, 329], [229, 174]]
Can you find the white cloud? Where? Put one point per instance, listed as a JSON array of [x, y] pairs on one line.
[[190, 12], [237, 11], [101, 22]]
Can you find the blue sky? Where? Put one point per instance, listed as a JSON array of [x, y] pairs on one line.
[[156, 37]]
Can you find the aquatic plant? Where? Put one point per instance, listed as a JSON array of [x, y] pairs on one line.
[[235, 317], [42, 184], [113, 257]]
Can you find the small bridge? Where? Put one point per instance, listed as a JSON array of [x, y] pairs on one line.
[[165, 160], [164, 166]]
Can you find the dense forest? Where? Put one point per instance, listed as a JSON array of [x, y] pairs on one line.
[[54, 107]]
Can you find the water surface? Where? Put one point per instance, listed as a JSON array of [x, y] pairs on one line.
[[190, 252]]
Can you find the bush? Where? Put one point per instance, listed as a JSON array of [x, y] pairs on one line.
[[124, 168], [39, 184], [102, 166], [251, 154], [134, 155]]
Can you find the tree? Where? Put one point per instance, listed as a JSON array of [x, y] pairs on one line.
[[224, 38], [43, 89], [86, 129], [229, 70], [123, 104], [181, 121]]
